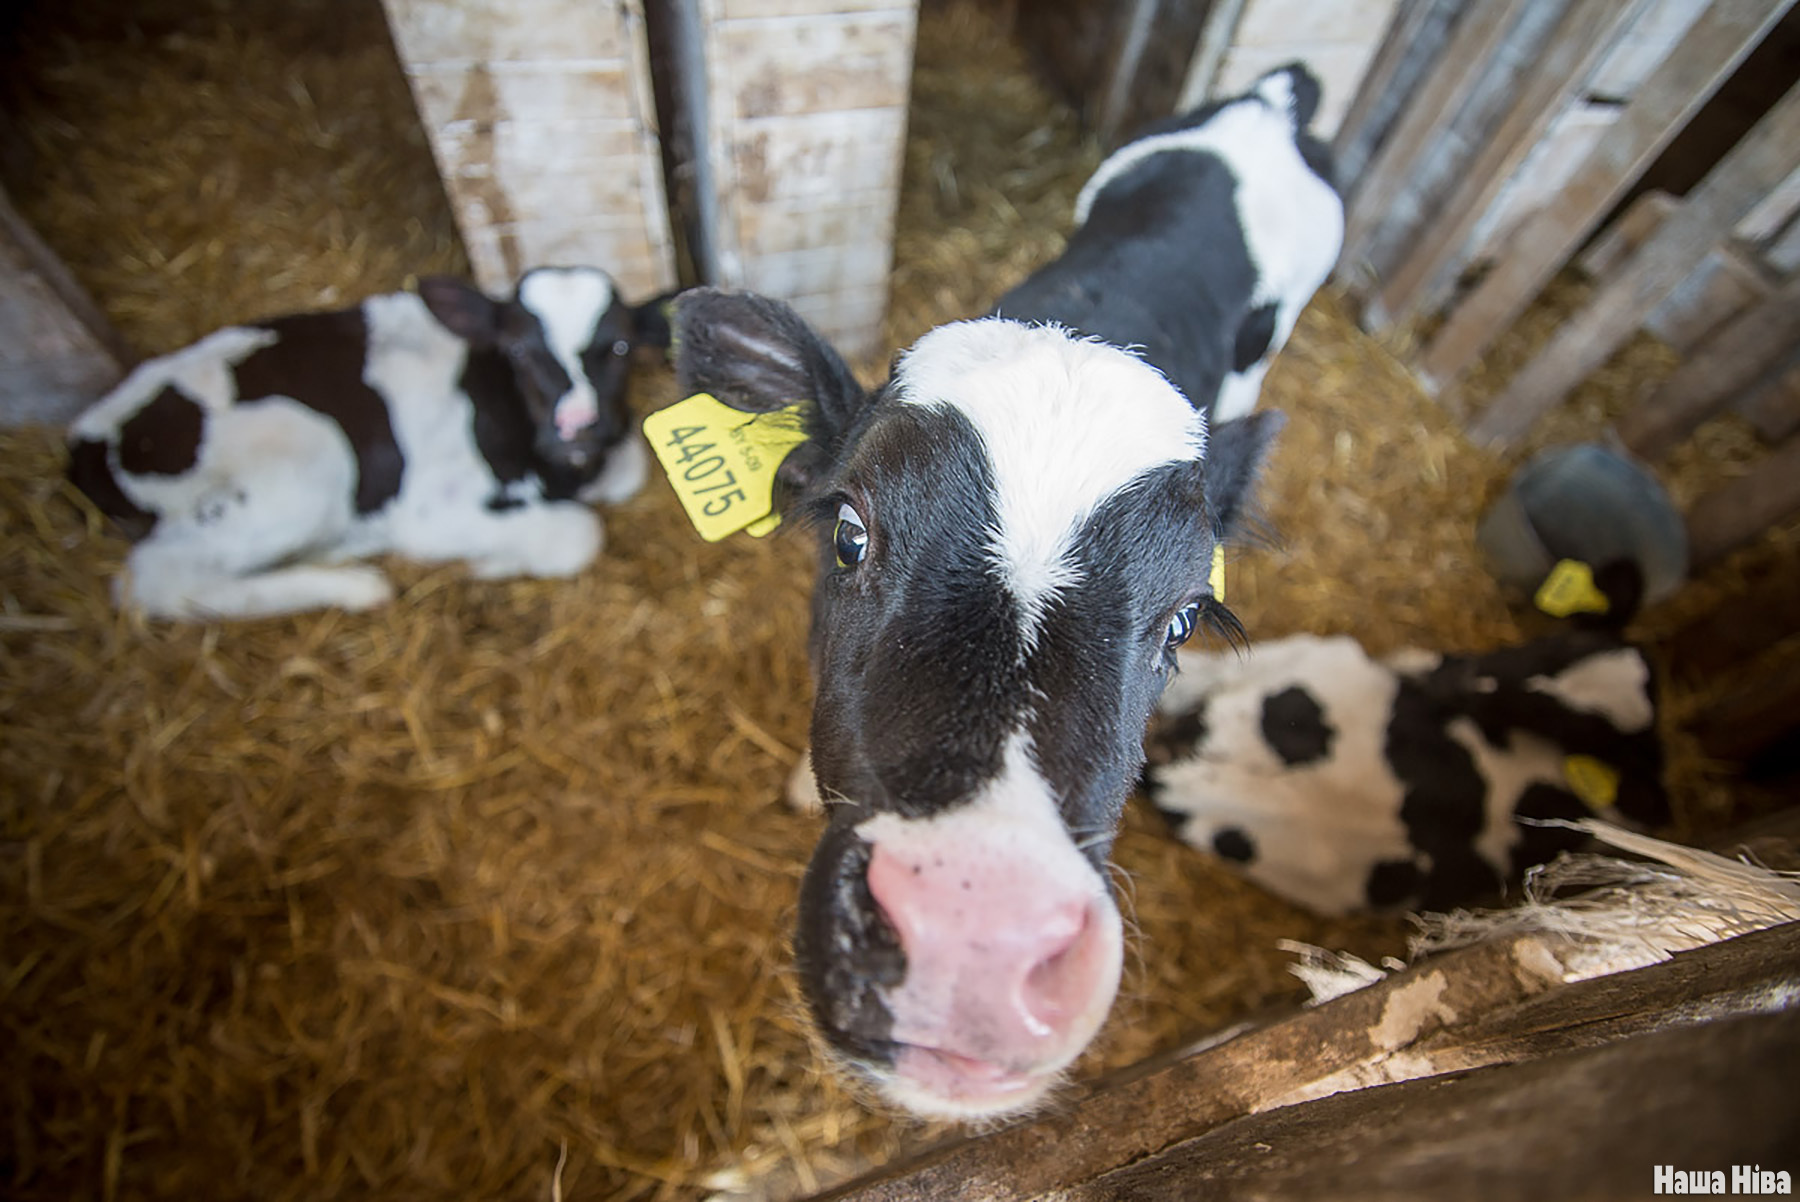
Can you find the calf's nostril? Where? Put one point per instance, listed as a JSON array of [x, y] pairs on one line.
[[1060, 983]]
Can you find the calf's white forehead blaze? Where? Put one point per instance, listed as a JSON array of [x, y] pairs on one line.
[[1066, 423], [570, 305]]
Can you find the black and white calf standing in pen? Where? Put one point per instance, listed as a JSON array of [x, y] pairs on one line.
[[439, 425], [1017, 531], [1345, 782]]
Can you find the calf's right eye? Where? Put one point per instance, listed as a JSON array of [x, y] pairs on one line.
[[851, 538]]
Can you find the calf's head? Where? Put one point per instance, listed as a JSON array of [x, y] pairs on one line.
[[1015, 532], [562, 344]]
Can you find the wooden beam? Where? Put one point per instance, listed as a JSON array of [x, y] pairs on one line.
[[1479, 32], [1559, 73], [1591, 1125], [1413, 29], [1732, 361], [1773, 407], [1756, 164], [1704, 58], [1731, 515]]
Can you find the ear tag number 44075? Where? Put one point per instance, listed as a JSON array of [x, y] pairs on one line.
[[722, 462]]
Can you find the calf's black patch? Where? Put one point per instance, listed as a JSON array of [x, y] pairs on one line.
[[1295, 727], [92, 474], [318, 360], [1234, 845], [163, 437], [1254, 337]]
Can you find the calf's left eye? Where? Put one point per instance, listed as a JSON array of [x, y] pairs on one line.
[[621, 347], [1181, 626], [851, 537]]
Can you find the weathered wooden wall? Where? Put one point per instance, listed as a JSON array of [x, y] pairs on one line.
[[57, 352], [804, 134], [541, 117]]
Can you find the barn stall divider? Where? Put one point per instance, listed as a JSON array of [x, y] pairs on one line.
[[488, 892]]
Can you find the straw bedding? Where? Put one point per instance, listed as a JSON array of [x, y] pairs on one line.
[[487, 894]]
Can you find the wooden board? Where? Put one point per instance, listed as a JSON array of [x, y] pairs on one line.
[[1555, 78], [541, 118], [1749, 349], [1733, 514], [1713, 47], [1497, 1003], [1747, 172], [804, 135], [57, 352]]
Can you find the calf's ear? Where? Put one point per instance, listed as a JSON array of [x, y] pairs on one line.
[[652, 323], [1235, 453], [461, 308], [757, 355]]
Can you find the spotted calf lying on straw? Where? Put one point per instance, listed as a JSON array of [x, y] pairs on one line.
[[1344, 782], [1017, 530], [438, 425]]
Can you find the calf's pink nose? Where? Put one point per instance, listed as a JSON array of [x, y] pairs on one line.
[[999, 960]]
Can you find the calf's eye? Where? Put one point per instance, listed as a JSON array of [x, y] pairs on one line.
[[621, 347], [1181, 626], [851, 538]]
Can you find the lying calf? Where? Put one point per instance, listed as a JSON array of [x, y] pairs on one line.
[[439, 425], [1344, 782], [1016, 531]]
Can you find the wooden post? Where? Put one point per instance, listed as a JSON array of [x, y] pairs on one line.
[[806, 132], [1733, 514], [1732, 361], [1479, 32], [1705, 57], [541, 118], [58, 353], [1415, 34], [1583, 36], [1773, 406], [1756, 164]]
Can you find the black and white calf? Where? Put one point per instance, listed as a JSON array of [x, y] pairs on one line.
[[1017, 530], [1345, 782], [439, 425]]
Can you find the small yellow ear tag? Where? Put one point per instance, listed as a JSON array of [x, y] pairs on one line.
[[1569, 589], [1216, 580], [1594, 781], [722, 462]]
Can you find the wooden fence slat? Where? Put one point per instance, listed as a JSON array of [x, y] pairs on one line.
[[1732, 361], [1411, 20], [1583, 36], [1480, 31], [1757, 163], [1733, 514], [1704, 58], [1774, 406]]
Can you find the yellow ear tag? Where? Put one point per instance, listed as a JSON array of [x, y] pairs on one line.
[[722, 462], [1594, 781], [1216, 580], [1569, 589]]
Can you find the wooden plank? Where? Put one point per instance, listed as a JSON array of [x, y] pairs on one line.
[[1733, 514], [1730, 362], [58, 353], [1404, 1027], [1758, 162], [542, 123], [1481, 30], [817, 64], [1416, 27], [1591, 1125], [1724, 286], [1725, 33], [1585, 34], [1773, 407]]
